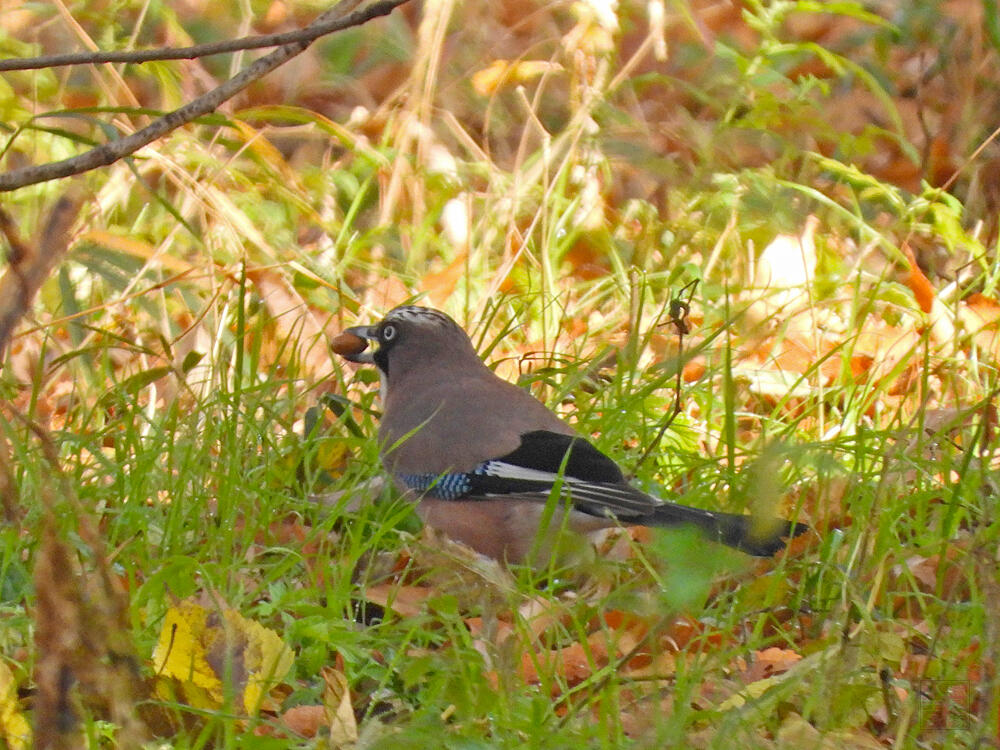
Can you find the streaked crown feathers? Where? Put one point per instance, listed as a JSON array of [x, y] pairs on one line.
[[420, 316]]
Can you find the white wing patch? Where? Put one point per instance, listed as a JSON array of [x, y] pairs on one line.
[[513, 471], [617, 499]]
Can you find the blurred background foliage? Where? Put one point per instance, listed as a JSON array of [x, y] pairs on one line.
[[551, 174], [462, 150]]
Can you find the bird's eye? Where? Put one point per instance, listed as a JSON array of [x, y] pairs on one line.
[[389, 333]]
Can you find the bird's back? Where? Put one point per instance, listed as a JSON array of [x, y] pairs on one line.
[[457, 421]]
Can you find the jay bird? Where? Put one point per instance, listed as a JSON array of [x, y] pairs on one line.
[[484, 455]]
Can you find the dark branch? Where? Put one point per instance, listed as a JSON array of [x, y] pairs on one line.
[[308, 34], [327, 23]]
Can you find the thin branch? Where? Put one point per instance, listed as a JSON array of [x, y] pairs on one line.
[[109, 153], [30, 264], [680, 308], [308, 34]]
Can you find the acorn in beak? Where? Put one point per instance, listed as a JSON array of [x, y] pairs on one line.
[[352, 343]]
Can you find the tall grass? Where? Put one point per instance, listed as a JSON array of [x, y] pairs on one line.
[[556, 213]]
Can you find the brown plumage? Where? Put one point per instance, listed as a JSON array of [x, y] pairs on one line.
[[484, 454]]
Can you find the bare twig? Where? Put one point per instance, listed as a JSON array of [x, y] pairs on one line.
[[30, 265], [680, 308], [331, 21], [308, 34]]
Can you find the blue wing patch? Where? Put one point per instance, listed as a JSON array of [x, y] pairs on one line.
[[591, 480]]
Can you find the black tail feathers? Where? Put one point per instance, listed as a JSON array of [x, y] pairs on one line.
[[760, 537]]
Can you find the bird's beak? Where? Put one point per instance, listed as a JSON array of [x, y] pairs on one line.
[[352, 343]]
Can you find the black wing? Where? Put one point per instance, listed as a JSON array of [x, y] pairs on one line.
[[593, 481]]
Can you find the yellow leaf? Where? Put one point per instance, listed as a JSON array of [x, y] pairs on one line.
[[266, 658], [180, 653], [198, 648], [339, 712], [505, 72], [749, 693], [14, 728], [332, 456]]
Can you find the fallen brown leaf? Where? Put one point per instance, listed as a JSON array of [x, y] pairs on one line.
[[404, 600], [304, 720], [770, 661]]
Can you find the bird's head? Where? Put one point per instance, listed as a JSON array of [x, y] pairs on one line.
[[409, 340]]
